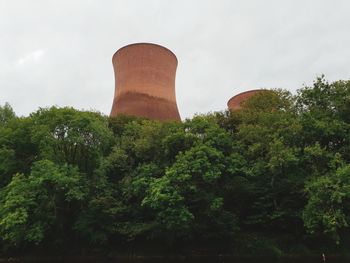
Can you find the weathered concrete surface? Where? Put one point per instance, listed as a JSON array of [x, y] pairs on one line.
[[235, 103], [145, 82]]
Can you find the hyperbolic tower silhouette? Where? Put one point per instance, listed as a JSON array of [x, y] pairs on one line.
[[235, 103], [145, 82]]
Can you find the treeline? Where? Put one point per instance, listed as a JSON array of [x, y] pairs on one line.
[[272, 178]]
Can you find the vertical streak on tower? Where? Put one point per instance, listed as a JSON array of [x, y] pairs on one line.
[[145, 82]]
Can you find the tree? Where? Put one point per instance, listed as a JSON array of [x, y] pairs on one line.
[[6, 114], [328, 207], [65, 135], [40, 207]]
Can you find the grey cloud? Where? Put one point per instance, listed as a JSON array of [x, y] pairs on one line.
[[58, 52]]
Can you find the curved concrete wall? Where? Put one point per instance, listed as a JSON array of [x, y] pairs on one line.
[[236, 101], [145, 82]]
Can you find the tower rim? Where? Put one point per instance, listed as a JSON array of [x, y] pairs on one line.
[[145, 44]]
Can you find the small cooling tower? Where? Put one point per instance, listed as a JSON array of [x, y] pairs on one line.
[[235, 103]]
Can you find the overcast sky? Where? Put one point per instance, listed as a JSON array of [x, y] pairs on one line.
[[58, 52]]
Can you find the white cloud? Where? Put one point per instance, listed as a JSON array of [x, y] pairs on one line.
[[32, 57]]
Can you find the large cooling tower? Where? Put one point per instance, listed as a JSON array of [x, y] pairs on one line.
[[235, 103], [145, 82]]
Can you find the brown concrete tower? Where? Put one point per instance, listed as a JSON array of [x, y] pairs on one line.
[[235, 103], [145, 82]]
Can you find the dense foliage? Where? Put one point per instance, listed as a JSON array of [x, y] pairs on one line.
[[271, 178]]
